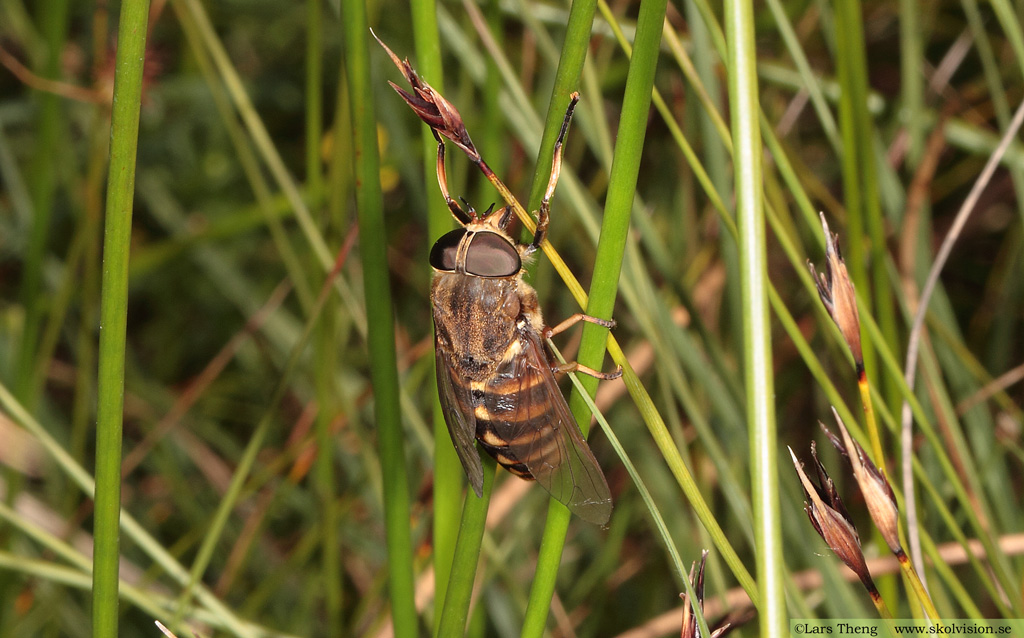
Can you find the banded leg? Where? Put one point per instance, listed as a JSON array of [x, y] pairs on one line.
[[575, 366], [543, 214], [460, 215], [575, 319]]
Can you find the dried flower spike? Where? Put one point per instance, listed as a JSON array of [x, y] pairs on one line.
[[690, 627], [878, 494], [830, 519], [438, 113], [837, 293]]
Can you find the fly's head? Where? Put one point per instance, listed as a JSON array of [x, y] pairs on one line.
[[481, 248]]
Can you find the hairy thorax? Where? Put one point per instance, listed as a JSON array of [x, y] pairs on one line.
[[479, 320]]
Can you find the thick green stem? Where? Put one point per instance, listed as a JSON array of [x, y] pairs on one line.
[[747, 151], [124, 137], [379, 318], [455, 613]]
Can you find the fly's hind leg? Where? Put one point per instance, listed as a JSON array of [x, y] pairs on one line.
[[544, 213], [575, 366]]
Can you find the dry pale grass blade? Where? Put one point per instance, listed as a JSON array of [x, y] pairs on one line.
[[910, 366], [997, 385], [20, 450]]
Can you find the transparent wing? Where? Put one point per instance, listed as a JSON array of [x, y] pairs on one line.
[[460, 421], [530, 417]]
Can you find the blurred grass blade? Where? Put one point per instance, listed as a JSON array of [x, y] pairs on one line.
[[124, 138], [326, 347], [42, 182], [379, 318]]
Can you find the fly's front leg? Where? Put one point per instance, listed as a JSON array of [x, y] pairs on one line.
[[543, 215], [575, 366], [442, 181]]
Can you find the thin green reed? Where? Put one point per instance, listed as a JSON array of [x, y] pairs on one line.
[[447, 468], [610, 248], [124, 137], [314, 99], [380, 318], [758, 374]]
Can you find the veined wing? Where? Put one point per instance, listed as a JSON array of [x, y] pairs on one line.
[[460, 420], [531, 432]]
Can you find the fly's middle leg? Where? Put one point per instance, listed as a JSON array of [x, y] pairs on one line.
[[575, 319], [574, 366]]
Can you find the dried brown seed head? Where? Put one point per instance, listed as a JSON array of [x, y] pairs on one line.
[[837, 293], [690, 627], [878, 494], [829, 517], [438, 113]]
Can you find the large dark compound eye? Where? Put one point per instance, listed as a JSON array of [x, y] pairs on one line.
[[443, 254], [491, 255]]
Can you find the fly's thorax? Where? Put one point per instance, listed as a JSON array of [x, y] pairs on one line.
[[475, 319], [530, 318]]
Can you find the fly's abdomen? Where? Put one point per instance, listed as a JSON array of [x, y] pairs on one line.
[[514, 419]]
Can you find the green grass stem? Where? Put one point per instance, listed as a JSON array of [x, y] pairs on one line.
[[325, 337], [314, 98], [380, 319], [455, 612], [567, 77], [760, 404], [124, 138]]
